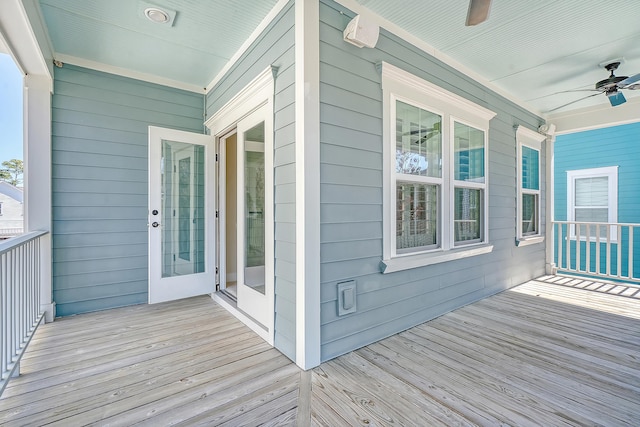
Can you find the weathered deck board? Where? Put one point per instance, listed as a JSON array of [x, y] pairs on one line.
[[549, 352]]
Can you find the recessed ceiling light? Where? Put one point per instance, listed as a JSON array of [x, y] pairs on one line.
[[156, 15]]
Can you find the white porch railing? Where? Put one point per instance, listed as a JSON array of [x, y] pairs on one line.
[[597, 249], [20, 312]]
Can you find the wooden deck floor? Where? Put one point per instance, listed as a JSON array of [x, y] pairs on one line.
[[542, 353]]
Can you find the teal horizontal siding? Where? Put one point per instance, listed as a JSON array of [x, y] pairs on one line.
[[612, 146], [275, 47], [100, 183], [351, 195]]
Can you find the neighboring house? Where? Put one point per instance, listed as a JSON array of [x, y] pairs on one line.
[[11, 217], [373, 189], [596, 177]]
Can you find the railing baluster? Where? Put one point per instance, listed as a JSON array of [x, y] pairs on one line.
[[608, 257], [619, 270], [597, 248], [567, 258], [559, 237], [578, 226], [587, 256], [630, 257]]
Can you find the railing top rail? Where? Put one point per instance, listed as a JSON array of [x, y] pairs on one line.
[[14, 242], [623, 224]]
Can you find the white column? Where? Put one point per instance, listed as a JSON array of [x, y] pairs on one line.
[[307, 96], [37, 177], [549, 211]]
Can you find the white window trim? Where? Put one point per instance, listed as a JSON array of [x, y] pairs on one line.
[[611, 172], [528, 138], [399, 84]]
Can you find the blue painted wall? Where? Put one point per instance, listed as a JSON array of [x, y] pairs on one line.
[[99, 176], [275, 46], [351, 195], [612, 146]]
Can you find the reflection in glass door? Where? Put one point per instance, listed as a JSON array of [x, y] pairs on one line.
[[182, 208], [254, 208]]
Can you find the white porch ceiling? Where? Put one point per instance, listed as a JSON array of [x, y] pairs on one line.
[[529, 49]]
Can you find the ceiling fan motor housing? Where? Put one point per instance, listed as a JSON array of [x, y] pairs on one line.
[[612, 81]]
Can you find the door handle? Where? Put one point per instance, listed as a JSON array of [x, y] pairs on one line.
[[155, 224]]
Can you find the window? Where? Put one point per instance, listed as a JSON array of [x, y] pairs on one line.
[[592, 196], [418, 172], [435, 166], [529, 147]]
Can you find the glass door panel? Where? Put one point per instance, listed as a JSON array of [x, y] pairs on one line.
[[254, 208], [255, 217], [183, 204]]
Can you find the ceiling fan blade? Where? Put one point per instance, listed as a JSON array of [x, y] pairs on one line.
[[573, 102], [421, 130], [616, 98], [576, 90], [478, 12], [629, 81]]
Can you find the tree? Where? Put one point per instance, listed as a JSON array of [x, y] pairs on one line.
[[12, 171]]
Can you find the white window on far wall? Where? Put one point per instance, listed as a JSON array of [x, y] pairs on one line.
[[529, 193], [592, 196], [435, 173]]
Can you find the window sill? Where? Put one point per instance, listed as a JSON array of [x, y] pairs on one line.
[[526, 241], [422, 260]]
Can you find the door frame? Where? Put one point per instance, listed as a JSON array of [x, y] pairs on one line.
[[259, 93]]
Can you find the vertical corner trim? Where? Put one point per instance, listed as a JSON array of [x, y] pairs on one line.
[[307, 152]]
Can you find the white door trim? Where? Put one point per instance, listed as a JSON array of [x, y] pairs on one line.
[[258, 93]]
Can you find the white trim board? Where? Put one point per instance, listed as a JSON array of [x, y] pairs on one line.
[[307, 155], [596, 117], [359, 9], [243, 317], [261, 87], [125, 72]]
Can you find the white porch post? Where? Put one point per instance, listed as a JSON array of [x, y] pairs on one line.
[[37, 177], [34, 59], [307, 115], [550, 266]]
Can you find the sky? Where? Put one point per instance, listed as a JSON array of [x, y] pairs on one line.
[[10, 110]]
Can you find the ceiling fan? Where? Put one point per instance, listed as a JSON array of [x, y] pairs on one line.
[[423, 134], [478, 12], [609, 86]]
